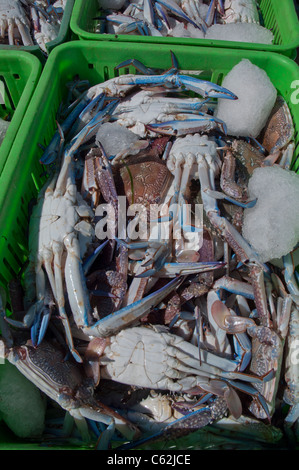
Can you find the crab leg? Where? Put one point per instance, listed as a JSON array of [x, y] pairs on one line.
[[161, 108], [211, 12], [131, 313], [163, 16], [64, 179], [59, 296], [226, 321], [220, 334], [192, 10], [253, 392], [94, 107], [203, 123], [192, 421], [181, 269], [42, 317], [289, 274], [234, 286], [125, 24], [242, 249], [52, 150], [174, 7], [148, 12], [91, 259], [93, 95], [24, 32], [11, 32]]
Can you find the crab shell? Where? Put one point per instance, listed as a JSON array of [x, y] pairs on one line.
[[241, 11], [279, 130]]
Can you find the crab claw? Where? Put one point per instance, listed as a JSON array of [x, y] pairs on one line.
[[139, 66], [206, 88], [230, 323]]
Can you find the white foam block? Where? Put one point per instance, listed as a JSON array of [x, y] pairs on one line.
[[272, 225], [247, 115], [242, 32]]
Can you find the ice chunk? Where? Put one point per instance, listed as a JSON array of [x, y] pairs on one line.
[[242, 32], [272, 225], [247, 115], [115, 138], [195, 32], [22, 406], [179, 31]]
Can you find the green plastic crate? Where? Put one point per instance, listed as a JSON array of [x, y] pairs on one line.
[[19, 74], [63, 36], [279, 15], [23, 176]]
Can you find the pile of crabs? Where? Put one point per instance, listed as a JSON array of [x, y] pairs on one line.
[[28, 22], [173, 18], [142, 334]]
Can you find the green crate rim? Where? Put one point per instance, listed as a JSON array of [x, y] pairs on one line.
[[34, 66], [64, 32], [286, 49]]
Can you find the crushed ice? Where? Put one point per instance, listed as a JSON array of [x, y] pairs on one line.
[[242, 32], [247, 115], [272, 225]]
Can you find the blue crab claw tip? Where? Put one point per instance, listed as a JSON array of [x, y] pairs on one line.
[[218, 91], [222, 93], [47, 159]]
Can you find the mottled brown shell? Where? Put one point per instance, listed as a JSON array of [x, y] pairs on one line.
[[248, 156], [279, 129], [50, 361], [145, 182], [108, 281]]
